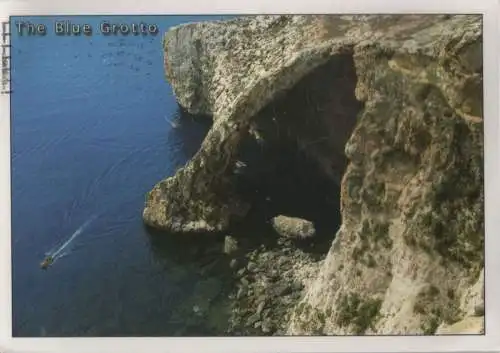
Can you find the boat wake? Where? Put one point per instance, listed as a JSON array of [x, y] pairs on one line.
[[174, 124], [64, 250]]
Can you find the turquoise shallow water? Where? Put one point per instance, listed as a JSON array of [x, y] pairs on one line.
[[90, 136]]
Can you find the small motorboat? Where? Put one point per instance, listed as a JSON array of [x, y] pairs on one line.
[[47, 262]]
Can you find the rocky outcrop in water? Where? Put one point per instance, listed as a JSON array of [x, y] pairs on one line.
[[389, 108]]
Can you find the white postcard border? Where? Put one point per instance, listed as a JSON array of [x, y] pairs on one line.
[[490, 342]]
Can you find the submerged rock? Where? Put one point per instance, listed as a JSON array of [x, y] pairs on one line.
[[233, 263], [230, 245], [293, 227], [389, 107]]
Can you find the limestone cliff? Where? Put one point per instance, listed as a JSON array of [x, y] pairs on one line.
[[390, 108]]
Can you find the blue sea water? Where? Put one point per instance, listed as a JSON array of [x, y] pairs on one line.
[[90, 136]]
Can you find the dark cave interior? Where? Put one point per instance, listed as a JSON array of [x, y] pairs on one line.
[[292, 160]]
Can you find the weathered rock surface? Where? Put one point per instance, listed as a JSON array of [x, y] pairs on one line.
[[412, 237], [293, 227], [472, 301], [241, 66], [230, 245], [468, 326], [268, 287], [398, 99]]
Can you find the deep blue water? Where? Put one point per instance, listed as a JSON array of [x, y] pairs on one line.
[[89, 139]]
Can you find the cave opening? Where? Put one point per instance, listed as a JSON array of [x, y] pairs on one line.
[[292, 160]]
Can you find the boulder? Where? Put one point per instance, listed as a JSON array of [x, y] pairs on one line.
[[293, 227]]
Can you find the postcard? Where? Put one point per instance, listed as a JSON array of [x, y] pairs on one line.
[[324, 179]]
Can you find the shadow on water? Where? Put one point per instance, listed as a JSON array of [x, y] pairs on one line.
[[191, 128], [198, 265], [188, 131], [189, 122], [194, 262]]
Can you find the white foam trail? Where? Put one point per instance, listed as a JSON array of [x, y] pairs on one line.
[[172, 123], [73, 236], [66, 253]]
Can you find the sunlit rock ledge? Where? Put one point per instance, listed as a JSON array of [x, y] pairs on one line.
[[389, 108]]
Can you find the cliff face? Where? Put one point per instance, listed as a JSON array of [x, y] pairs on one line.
[[237, 79], [390, 108]]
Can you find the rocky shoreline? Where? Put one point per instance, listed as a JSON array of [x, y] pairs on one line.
[[380, 116], [268, 287]]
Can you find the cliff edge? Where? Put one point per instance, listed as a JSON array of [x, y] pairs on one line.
[[387, 107]]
